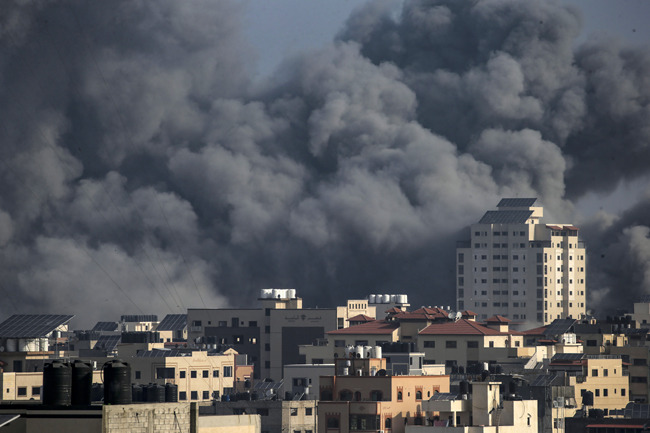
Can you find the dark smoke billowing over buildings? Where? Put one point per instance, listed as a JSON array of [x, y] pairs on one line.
[[142, 169]]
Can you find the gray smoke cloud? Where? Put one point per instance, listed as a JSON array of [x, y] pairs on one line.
[[144, 171]]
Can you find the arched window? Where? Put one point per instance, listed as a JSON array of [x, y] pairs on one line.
[[399, 395], [357, 396], [345, 395], [388, 423], [418, 394], [332, 422], [376, 395]]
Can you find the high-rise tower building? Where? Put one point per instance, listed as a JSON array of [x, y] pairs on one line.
[[519, 268]]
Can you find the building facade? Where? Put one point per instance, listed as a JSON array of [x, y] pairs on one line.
[[517, 267]]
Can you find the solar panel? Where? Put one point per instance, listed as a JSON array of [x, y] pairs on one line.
[[173, 322], [443, 396], [506, 217], [105, 326], [139, 318], [32, 325], [544, 380], [162, 353], [517, 202], [108, 342], [559, 326], [567, 356]]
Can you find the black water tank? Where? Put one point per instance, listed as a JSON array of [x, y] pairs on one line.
[[155, 393], [117, 382], [57, 383], [97, 392], [464, 387], [484, 375], [82, 382], [588, 398], [512, 387], [171, 393], [137, 393]]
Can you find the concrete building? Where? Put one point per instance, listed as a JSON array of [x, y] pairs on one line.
[[364, 401], [484, 411], [143, 417], [304, 379], [515, 266], [276, 416], [269, 335]]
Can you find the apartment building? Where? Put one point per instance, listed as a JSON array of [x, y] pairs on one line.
[[200, 375], [515, 266], [269, 335], [482, 411], [363, 401]]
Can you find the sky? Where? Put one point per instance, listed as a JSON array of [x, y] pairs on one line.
[[161, 155]]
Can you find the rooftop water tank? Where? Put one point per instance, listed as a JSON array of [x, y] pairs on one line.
[[371, 299], [117, 382], [82, 382], [57, 383]]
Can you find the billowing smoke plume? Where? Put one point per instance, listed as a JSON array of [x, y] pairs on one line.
[[143, 171]]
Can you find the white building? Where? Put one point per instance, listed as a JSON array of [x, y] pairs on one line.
[[517, 267]]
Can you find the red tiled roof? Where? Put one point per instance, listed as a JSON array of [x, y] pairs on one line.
[[498, 319], [468, 313], [393, 310], [361, 318], [574, 228], [460, 327], [374, 327], [553, 227], [423, 313], [535, 331]]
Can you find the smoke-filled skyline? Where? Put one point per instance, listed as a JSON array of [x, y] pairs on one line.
[[145, 169]]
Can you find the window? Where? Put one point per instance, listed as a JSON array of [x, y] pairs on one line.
[[194, 395], [206, 395], [429, 344], [215, 373], [206, 373], [165, 373], [223, 323], [227, 371], [623, 392], [193, 374], [339, 343], [597, 394], [182, 374], [399, 395], [461, 257], [594, 372], [22, 391], [605, 372], [182, 395], [472, 344], [491, 344], [138, 375], [332, 422], [388, 423], [267, 329], [252, 324], [294, 411], [36, 390], [309, 411], [605, 392], [450, 344]]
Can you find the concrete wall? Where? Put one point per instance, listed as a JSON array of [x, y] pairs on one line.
[[150, 418], [230, 424]]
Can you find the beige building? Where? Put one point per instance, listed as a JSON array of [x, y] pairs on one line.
[[354, 307], [482, 412], [366, 402], [200, 375], [276, 416], [516, 267]]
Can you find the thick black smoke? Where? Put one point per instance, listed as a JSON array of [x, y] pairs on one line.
[[142, 170]]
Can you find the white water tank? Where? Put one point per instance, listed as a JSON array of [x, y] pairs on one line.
[[359, 372], [403, 299], [386, 299], [346, 371], [368, 351], [373, 371], [275, 293], [371, 299], [378, 352], [348, 350], [360, 352], [292, 293], [43, 346], [11, 345]]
